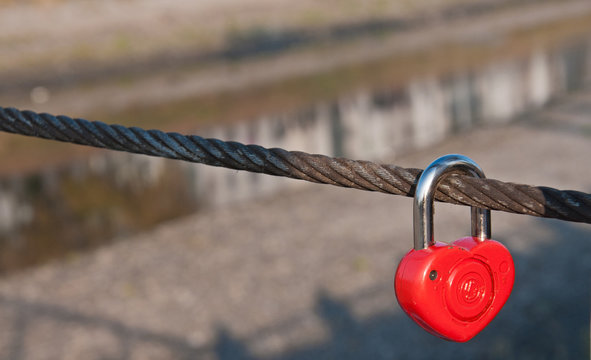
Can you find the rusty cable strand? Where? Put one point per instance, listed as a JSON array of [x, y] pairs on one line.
[[456, 189]]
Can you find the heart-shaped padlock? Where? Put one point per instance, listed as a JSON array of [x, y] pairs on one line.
[[452, 290]]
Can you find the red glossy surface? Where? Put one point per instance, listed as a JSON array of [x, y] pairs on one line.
[[474, 280]]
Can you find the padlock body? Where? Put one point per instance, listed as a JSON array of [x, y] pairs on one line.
[[454, 290]]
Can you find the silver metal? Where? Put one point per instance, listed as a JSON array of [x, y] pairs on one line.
[[423, 200]]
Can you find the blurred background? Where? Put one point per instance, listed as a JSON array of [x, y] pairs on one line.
[[107, 255]]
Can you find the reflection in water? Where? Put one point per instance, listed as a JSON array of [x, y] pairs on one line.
[[77, 207]]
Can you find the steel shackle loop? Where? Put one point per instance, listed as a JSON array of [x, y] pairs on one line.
[[424, 193]]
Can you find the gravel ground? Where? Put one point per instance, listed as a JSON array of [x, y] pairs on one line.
[[308, 275]]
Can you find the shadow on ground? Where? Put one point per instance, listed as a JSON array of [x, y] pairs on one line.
[[547, 317]]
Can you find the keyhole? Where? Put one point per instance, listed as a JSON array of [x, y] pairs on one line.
[[433, 275]]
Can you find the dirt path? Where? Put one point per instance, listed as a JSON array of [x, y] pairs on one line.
[[66, 33], [114, 40]]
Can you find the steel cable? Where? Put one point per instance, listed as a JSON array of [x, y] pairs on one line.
[[457, 189]]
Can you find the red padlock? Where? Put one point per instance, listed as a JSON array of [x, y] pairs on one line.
[[452, 290]]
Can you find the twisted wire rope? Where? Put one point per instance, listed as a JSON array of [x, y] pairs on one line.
[[364, 175]]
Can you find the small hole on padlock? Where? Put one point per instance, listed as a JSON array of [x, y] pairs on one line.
[[433, 275]]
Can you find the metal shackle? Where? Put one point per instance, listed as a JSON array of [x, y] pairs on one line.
[[425, 190]]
